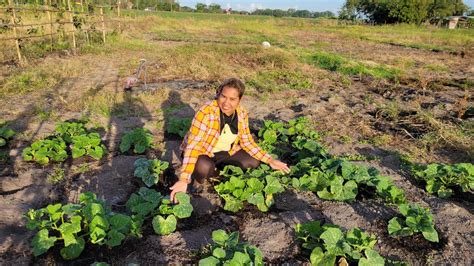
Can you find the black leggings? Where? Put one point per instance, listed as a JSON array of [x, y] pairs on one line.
[[206, 166]]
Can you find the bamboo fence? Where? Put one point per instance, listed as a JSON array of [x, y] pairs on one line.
[[64, 19]]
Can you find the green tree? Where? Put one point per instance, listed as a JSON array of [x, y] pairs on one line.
[[409, 11], [215, 8], [200, 7], [401, 11], [349, 10]]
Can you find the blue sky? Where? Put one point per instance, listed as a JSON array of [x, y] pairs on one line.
[[249, 5]]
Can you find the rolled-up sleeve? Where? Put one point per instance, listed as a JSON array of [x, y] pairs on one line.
[[194, 148]]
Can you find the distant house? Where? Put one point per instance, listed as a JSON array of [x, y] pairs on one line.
[[458, 22]]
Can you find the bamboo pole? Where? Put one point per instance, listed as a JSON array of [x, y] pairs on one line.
[[17, 43], [50, 29], [51, 26], [103, 23], [73, 27], [118, 8]]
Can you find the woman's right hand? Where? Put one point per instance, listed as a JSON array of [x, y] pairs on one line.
[[179, 186]]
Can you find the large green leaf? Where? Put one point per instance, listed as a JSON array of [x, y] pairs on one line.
[[334, 241], [239, 259], [219, 253], [93, 209], [120, 222], [256, 199], [372, 259], [183, 210], [431, 235], [42, 242], [273, 185], [73, 251], [114, 238], [164, 226], [233, 240], [69, 230], [232, 204], [396, 227], [319, 258], [220, 237], [209, 261]]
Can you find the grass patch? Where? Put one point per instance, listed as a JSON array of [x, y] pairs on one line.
[[56, 175], [337, 63], [277, 80], [35, 79], [419, 37]]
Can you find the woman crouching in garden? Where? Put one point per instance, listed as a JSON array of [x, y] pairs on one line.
[[220, 135]]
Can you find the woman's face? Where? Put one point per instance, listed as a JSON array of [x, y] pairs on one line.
[[228, 100]]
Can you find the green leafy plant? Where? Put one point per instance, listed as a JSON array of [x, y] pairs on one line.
[[416, 220], [139, 138], [54, 148], [336, 179], [256, 186], [227, 250], [442, 179], [87, 144], [275, 137], [178, 126], [150, 203], [68, 130], [149, 171], [5, 135], [71, 225], [44, 151], [314, 169], [326, 243]]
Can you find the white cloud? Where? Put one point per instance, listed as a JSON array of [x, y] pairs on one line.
[[254, 6]]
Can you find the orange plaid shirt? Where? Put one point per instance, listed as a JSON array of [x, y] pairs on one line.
[[205, 131]]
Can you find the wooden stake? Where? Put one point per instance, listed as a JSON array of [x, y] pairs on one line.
[[72, 25], [50, 28], [103, 23], [118, 8], [17, 43]]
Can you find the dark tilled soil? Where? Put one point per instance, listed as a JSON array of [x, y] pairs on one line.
[[352, 111]]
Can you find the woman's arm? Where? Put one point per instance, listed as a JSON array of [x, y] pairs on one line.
[[250, 146], [196, 135]]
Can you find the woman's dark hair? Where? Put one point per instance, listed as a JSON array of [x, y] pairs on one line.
[[232, 83]]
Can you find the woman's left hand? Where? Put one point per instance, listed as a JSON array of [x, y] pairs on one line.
[[279, 165]]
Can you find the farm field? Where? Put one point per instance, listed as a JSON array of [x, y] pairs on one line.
[[387, 97]]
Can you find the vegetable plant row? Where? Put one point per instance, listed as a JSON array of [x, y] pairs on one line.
[[81, 142], [71, 226], [443, 180], [314, 169], [68, 134]]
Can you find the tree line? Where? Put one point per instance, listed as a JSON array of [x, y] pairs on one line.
[[375, 11], [401, 11]]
